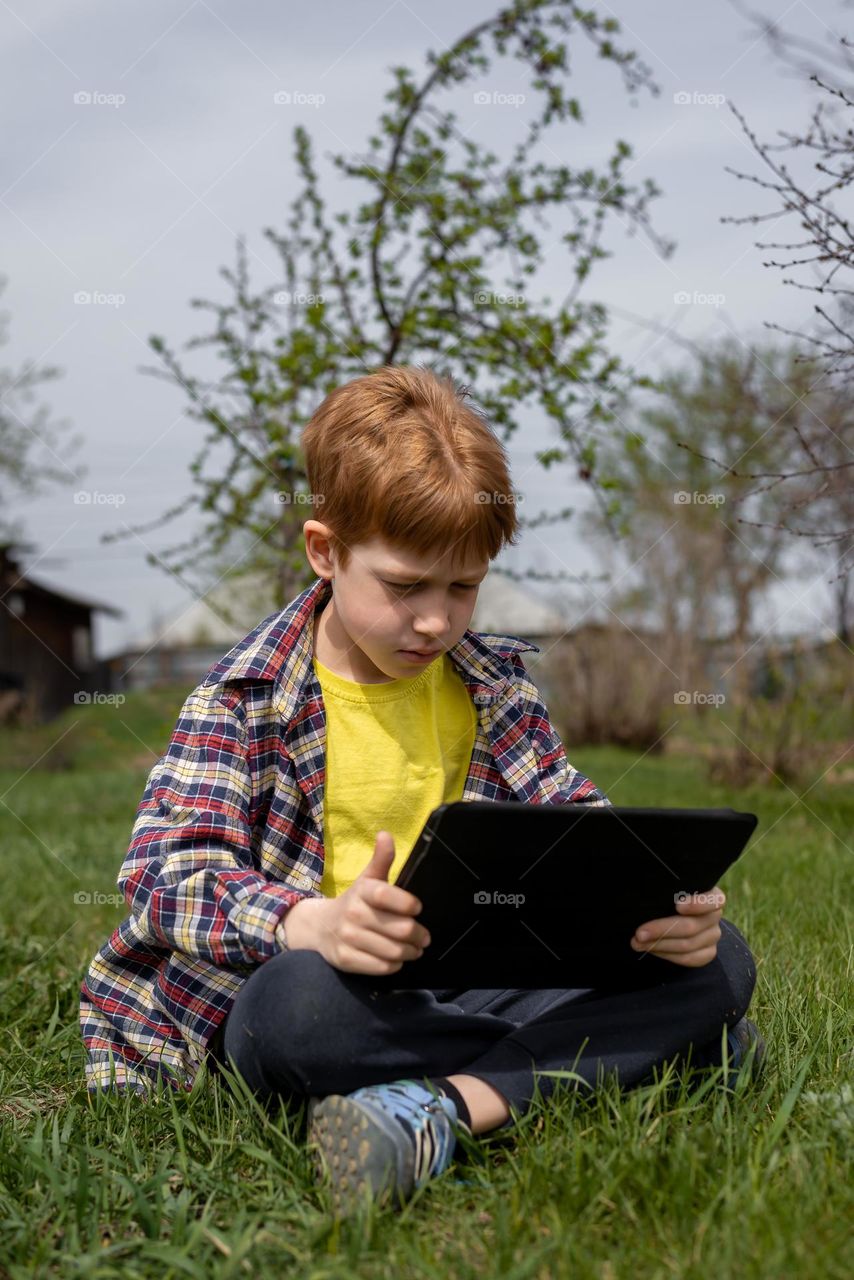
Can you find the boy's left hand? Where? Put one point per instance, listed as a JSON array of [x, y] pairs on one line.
[[689, 938]]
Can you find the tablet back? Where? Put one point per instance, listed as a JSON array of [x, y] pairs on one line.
[[522, 895]]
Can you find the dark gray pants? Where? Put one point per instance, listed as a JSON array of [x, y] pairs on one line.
[[299, 1027]]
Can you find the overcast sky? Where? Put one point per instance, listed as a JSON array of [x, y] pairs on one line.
[[142, 191]]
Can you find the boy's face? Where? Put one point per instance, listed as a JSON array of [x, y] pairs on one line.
[[388, 603]]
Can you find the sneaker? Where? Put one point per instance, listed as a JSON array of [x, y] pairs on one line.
[[744, 1044], [382, 1141]]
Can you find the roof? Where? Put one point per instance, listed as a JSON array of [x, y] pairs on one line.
[[17, 581], [505, 605]]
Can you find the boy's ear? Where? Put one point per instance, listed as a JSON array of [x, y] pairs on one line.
[[317, 548]]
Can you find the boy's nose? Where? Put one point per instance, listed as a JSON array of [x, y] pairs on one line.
[[432, 628]]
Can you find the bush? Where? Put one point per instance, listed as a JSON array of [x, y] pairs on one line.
[[797, 722], [606, 686]]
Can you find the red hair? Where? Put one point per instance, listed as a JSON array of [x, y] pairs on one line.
[[399, 454]]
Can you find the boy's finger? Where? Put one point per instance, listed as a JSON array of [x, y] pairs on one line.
[[673, 945], [396, 926], [674, 926], [390, 897]]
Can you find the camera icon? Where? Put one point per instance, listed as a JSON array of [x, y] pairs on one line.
[[482, 99], [82, 898], [282, 98], [682, 698], [482, 898], [681, 498], [83, 98], [81, 697]]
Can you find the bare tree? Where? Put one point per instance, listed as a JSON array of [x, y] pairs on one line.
[[816, 486], [698, 575]]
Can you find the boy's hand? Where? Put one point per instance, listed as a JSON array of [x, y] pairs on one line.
[[370, 927], [689, 938]]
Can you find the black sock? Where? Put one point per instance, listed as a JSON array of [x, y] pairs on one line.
[[451, 1091]]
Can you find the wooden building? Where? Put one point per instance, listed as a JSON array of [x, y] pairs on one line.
[[46, 655]]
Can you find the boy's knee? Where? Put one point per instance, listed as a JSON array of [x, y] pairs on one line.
[[289, 993], [738, 969], [281, 1019]]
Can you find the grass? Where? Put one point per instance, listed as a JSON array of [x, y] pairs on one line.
[[679, 1179]]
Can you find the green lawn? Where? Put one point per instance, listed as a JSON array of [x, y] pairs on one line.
[[678, 1181]]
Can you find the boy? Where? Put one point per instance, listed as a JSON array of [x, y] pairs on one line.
[[259, 876]]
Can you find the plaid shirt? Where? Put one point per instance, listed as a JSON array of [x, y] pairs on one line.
[[229, 835]]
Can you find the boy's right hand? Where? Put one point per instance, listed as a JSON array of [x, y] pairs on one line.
[[369, 928]]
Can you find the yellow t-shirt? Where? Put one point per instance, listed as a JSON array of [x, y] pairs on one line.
[[394, 752]]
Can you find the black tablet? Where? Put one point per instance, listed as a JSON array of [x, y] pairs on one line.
[[520, 895]]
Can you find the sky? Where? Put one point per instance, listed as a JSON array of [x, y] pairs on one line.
[[141, 141]]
